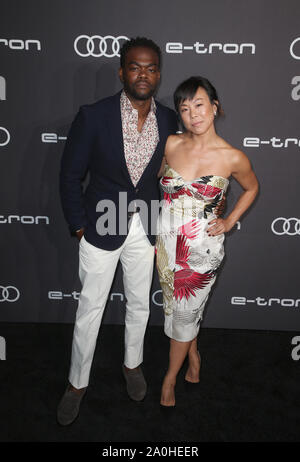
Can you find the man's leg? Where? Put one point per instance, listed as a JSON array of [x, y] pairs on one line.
[[96, 271], [137, 260]]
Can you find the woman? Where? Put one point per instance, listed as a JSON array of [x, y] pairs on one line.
[[190, 235]]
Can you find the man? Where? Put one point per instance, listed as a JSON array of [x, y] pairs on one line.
[[120, 140]]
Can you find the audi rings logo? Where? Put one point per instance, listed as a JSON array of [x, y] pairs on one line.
[[293, 52], [9, 294], [4, 139], [98, 46], [288, 226]]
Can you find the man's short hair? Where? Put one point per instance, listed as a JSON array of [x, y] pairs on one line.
[[139, 42]]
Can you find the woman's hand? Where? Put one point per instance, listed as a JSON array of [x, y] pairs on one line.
[[220, 207], [219, 226]]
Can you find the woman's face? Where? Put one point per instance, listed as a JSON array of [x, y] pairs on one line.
[[197, 114]]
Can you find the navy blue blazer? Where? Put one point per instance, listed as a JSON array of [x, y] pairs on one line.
[[95, 145]]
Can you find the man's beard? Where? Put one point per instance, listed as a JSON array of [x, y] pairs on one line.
[[131, 91]]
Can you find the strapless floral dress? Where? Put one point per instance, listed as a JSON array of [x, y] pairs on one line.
[[187, 258]]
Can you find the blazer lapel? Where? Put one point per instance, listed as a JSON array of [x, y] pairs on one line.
[[162, 132], [162, 128], [116, 134]]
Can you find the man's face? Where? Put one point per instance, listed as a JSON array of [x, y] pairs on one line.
[[141, 74]]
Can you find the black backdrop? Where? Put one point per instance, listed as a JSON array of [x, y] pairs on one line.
[[249, 50]]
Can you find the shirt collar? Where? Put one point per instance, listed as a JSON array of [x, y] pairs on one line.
[[127, 106]]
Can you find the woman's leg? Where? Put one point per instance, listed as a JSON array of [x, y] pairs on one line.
[[192, 374], [178, 352]]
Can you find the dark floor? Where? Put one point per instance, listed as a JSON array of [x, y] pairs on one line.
[[249, 388]]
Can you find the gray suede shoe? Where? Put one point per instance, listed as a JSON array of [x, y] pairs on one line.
[[136, 383], [68, 408]]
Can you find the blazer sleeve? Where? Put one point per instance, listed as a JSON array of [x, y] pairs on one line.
[[74, 166]]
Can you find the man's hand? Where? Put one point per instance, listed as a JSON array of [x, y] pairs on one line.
[[80, 233], [220, 208]]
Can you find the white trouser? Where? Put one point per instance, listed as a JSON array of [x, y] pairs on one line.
[[96, 271]]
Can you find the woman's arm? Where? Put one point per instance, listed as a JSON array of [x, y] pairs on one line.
[[162, 167], [243, 173], [169, 148]]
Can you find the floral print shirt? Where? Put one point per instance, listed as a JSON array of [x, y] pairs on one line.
[[139, 147]]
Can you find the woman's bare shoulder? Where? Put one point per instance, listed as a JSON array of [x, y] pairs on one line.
[[236, 155], [230, 152], [174, 141], [236, 159]]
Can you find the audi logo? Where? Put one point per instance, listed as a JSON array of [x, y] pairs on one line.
[[7, 136], [9, 294], [288, 226], [97, 46], [295, 56]]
